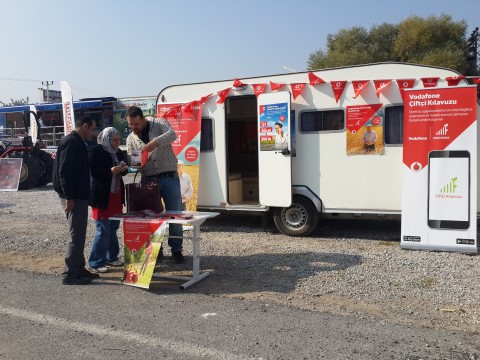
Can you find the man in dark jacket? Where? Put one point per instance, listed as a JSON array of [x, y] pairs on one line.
[[71, 180]]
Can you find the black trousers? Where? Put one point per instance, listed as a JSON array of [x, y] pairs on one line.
[[77, 222]]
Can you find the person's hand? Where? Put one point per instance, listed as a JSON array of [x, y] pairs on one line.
[[116, 170], [69, 204], [152, 145]]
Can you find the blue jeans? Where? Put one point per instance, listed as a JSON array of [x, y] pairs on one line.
[[170, 193], [105, 246]]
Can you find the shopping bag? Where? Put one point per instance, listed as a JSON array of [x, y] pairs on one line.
[[143, 197]]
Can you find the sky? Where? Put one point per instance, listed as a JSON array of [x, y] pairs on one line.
[[136, 48]]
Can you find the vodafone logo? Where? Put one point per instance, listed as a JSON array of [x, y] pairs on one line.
[[337, 85], [297, 86], [259, 88], [360, 86], [416, 166]]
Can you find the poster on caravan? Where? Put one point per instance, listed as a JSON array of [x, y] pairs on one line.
[[120, 107], [439, 200], [67, 106], [186, 120]]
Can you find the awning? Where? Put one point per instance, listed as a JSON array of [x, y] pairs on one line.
[[51, 107]]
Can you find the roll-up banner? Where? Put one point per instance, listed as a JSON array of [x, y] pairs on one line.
[[439, 198], [67, 106]]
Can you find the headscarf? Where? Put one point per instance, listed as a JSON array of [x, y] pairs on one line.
[[105, 140]]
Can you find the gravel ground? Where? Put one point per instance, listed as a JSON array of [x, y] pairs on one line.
[[355, 268]]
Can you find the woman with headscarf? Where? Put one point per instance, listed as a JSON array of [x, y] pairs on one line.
[[107, 166]]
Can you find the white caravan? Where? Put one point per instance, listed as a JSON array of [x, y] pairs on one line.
[[315, 175]]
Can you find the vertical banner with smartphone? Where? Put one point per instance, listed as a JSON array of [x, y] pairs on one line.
[[186, 120], [439, 199]]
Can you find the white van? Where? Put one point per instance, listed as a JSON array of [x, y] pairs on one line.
[[315, 175]]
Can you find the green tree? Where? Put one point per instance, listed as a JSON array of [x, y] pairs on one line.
[[438, 41], [16, 102]]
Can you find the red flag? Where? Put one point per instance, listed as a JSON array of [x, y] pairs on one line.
[[405, 84], [359, 86], [204, 99], [314, 79], [188, 108], [222, 95], [454, 80], [380, 85], [338, 87], [237, 83], [259, 89], [167, 111], [297, 89], [476, 80], [430, 82], [275, 86]]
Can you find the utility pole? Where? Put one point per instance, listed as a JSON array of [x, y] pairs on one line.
[[47, 84]]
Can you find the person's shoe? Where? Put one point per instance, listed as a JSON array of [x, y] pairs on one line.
[[88, 274], [117, 262], [99, 270], [76, 280], [178, 258]]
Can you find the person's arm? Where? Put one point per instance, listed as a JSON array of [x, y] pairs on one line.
[[67, 163], [98, 167], [163, 135]]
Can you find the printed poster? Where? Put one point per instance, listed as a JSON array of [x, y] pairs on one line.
[[10, 170], [365, 130], [186, 120], [439, 200], [273, 127], [120, 108], [142, 241]]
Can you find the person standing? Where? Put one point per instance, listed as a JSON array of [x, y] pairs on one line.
[[186, 187], [281, 139], [71, 181], [156, 137], [369, 139], [107, 166]]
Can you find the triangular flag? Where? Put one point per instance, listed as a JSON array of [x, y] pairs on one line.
[[297, 89], [430, 82], [222, 95], [204, 99], [188, 108], [338, 87], [359, 86], [380, 85], [275, 86], [168, 112], [454, 80], [405, 84], [259, 89], [476, 80], [314, 79], [237, 83]]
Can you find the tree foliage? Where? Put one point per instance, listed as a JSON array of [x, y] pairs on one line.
[[16, 102], [438, 41]]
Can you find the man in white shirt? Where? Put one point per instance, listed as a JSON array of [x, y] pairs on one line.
[[186, 187], [369, 139], [281, 139]]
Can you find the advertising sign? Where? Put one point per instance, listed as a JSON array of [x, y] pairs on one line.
[[10, 174], [273, 127], [142, 241], [439, 202], [67, 106], [365, 130], [120, 107]]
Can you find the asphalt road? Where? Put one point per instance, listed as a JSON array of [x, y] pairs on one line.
[[42, 319]]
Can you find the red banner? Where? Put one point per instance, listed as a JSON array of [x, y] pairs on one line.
[[454, 80], [314, 79], [338, 87], [476, 80], [297, 89], [222, 95], [275, 86], [405, 84], [358, 115], [359, 86], [238, 84], [380, 85], [430, 82], [259, 89]]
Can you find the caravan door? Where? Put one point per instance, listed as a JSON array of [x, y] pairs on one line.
[[274, 149]]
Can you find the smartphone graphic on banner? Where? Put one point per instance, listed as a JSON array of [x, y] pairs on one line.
[[449, 189]]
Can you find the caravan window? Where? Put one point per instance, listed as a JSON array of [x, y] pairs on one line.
[[394, 125], [206, 137], [326, 120]]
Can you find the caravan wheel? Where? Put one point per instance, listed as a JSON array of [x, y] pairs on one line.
[[300, 219]]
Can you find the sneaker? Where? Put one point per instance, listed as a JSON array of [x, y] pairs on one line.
[[99, 270], [76, 280], [117, 262], [88, 274], [178, 258]]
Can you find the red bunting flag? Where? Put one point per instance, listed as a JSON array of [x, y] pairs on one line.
[[430, 82], [476, 80], [222, 95], [188, 108], [380, 85], [167, 112], [359, 86], [237, 83], [338, 87], [204, 99], [259, 89], [297, 89], [405, 84], [275, 86], [314, 79], [454, 80]]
